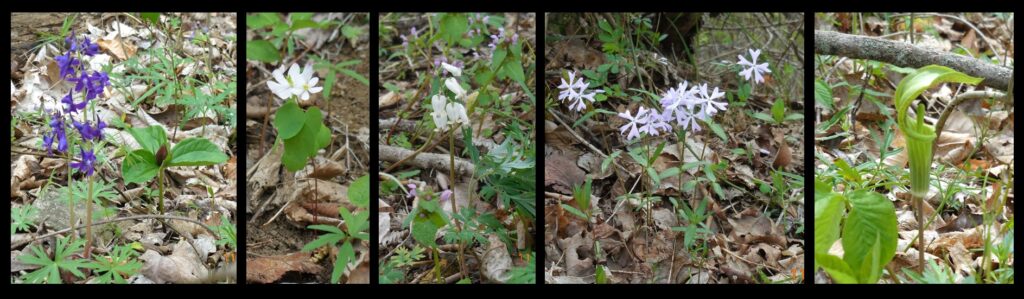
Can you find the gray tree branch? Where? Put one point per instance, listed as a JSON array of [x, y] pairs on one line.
[[907, 55]]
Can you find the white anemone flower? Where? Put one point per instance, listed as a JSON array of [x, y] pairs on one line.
[[752, 68], [306, 83], [282, 87]]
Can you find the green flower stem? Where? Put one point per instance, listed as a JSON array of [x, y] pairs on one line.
[[160, 185], [71, 197], [451, 171], [88, 221]]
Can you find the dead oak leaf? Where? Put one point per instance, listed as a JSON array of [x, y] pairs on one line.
[[120, 48]]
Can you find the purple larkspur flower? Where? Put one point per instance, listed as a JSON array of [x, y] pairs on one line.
[[88, 163], [71, 106], [93, 84], [56, 135], [90, 132], [446, 194], [67, 64]]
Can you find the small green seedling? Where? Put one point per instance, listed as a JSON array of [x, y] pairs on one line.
[[150, 161], [303, 133], [356, 226], [582, 197]]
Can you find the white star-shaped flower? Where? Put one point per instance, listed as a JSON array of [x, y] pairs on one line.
[[752, 68]]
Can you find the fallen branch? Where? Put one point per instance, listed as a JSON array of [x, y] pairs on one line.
[[136, 217], [907, 55], [425, 160], [960, 99]]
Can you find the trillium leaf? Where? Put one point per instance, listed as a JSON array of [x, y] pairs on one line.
[[149, 138], [289, 120], [195, 152], [139, 166]]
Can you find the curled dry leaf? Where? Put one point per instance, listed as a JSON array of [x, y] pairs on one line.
[[389, 99], [572, 247], [496, 261], [120, 48], [270, 269], [182, 266]]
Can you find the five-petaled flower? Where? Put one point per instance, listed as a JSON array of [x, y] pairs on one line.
[[575, 90], [298, 83], [752, 68]]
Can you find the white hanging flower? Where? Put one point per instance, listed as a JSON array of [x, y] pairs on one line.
[[752, 68], [440, 115], [456, 114], [454, 70], [454, 86], [447, 115]]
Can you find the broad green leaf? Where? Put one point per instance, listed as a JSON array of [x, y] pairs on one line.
[[359, 191], [152, 17], [289, 120], [498, 58], [779, 110], [262, 20], [303, 145], [453, 27], [872, 219], [149, 138], [139, 166], [323, 137], [871, 271], [196, 151], [261, 50], [828, 214], [836, 268], [514, 70]]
